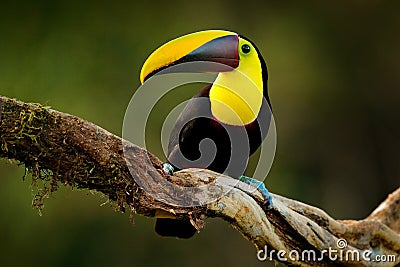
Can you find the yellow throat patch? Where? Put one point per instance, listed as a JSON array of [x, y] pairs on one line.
[[236, 96]]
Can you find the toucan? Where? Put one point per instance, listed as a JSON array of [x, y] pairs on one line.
[[226, 121]]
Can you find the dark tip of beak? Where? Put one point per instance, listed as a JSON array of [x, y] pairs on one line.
[[223, 50]]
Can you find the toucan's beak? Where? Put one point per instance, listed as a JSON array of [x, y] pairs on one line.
[[210, 46]]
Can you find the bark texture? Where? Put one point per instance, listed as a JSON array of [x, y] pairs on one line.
[[59, 148]]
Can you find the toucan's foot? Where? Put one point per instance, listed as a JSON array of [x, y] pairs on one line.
[[260, 186], [168, 169]]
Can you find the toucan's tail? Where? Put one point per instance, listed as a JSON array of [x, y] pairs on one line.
[[174, 228]]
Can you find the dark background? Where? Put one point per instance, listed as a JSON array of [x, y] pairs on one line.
[[334, 85]]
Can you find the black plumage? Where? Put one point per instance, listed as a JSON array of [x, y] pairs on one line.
[[197, 123]]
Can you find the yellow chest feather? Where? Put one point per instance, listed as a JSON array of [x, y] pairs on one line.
[[236, 96]]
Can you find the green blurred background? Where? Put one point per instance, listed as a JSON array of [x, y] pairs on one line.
[[334, 84]]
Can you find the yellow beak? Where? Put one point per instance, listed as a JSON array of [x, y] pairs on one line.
[[212, 45]]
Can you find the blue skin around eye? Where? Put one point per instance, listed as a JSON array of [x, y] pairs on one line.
[[248, 180]]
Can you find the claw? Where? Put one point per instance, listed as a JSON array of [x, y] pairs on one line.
[[260, 186], [168, 169]]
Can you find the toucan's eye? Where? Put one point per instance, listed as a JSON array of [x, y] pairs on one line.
[[246, 48]]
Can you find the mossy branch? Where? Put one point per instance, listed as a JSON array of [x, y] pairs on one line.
[[63, 149]]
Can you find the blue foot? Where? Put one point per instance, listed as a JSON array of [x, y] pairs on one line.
[[260, 186], [168, 169]]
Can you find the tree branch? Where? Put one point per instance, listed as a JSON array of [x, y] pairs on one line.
[[59, 148]]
